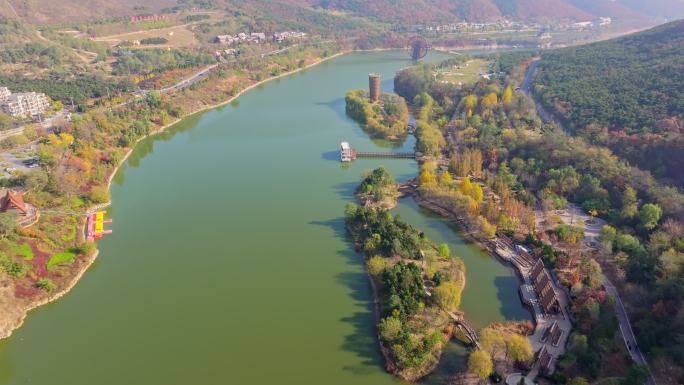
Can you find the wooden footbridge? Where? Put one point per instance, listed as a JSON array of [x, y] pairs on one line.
[[348, 154], [374, 154], [465, 328]]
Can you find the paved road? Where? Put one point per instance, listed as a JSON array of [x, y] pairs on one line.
[[526, 87], [196, 77], [46, 123], [626, 329]]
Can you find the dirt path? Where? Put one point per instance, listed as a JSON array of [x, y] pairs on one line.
[[78, 53], [11, 7]]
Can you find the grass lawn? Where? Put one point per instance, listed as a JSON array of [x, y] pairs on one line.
[[24, 250], [468, 72], [177, 36], [60, 258]]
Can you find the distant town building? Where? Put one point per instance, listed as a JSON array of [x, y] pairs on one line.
[[4, 93], [254, 37], [22, 104], [544, 35], [603, 21], [279, 37], [583, 24], [225, 39], [258, 35], [139, 18]]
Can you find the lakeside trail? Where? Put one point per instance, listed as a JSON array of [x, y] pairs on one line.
[[12, 318]]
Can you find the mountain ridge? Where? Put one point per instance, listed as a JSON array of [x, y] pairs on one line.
[[392, 11]]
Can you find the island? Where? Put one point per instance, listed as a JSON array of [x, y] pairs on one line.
[[382, 115]]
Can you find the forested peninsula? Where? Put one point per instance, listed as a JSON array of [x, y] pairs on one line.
[[416, 283]]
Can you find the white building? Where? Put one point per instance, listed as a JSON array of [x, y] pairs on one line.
[[25, 104], [287, 35], [4, 93], [346, 152], [583, 24]]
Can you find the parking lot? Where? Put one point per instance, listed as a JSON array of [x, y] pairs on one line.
[[17, 160]]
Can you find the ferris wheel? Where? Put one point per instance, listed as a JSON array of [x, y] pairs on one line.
[[418, 47]]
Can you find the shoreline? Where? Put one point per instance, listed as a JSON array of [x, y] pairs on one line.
[[89, 260]]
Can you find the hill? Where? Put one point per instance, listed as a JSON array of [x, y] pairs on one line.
[[394, 11], [627, 92], [46, 11], [419, 11]]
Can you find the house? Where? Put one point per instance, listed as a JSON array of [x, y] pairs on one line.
[[259, 36], [224, 39], [14, 202]]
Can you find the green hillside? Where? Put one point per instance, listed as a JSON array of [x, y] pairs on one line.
[[627, 93]]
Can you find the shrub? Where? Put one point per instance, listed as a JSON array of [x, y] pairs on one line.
[[12, 267], [46, 284], [99, 194], [376, 265], [569, 234]]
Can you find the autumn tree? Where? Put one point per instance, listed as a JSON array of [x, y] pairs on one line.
[[649, 215], [489, 101], [448, 295], [491, 340], [376, 265], [8, 223], [518, 348], [444, 251], [507, 98], [480, 364], [468, 104], [578, 381], [427, 178], [390, 328], [465, 187], [630, 205]]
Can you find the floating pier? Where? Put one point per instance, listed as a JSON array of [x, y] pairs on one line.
[[95, 226]]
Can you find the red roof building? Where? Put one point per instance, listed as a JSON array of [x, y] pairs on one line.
[[13, 201]]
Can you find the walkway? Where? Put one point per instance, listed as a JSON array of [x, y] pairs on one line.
[[626, 329], [543, 320]]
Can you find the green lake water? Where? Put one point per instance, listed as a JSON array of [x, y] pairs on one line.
[[229, 262]]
